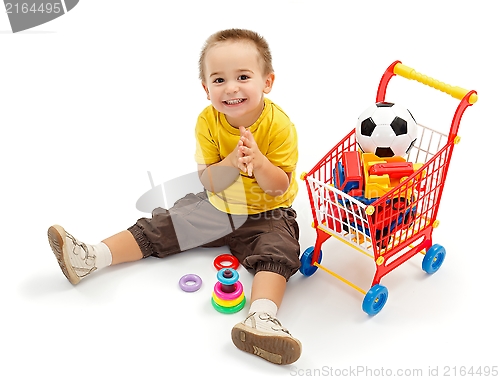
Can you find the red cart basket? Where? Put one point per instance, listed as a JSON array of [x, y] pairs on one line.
[[398, 224]]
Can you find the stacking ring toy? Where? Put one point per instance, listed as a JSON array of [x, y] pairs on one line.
[[234, 263], [227, 280], [228, 296], [228, 310], [190, 282], [226, 303]]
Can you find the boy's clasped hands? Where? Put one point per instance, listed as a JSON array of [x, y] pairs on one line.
[[249, 156]]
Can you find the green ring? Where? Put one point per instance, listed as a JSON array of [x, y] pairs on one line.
[[228, 310]]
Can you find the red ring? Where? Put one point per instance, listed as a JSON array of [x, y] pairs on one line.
[[226, 257]]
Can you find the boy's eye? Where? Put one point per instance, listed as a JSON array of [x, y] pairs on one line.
[[219, 80], [243, 77]]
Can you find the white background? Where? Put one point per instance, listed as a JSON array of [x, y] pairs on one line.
[[92, 101]]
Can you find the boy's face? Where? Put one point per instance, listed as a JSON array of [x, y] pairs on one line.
[[235, 82]]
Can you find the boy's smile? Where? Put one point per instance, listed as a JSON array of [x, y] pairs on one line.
[[233, 102], [235, 82]]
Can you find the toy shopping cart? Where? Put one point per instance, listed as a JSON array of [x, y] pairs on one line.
[[397, 225]]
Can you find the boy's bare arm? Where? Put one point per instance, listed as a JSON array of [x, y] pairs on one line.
[[219, 176], [272, 179]]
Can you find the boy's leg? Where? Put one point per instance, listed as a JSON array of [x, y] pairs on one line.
[[268, 285], [191, 222], [77, 260], [261, 333], [269, 246], [123, 247]]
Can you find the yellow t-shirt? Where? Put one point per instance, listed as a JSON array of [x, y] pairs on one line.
[[276, 137]]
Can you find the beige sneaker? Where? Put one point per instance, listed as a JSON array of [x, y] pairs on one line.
[[75, 258], [262, 335]]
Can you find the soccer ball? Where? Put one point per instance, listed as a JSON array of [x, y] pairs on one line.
[[386, 129]]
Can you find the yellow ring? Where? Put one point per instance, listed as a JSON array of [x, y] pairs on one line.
[[227, 303]]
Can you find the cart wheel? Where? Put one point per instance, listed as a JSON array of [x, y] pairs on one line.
[[375, 299], [433, 258], [306, 267]]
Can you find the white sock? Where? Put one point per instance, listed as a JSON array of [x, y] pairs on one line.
[[103, 255], [264, 305]]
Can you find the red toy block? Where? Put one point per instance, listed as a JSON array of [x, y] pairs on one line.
[[353, 173], [392, 169]]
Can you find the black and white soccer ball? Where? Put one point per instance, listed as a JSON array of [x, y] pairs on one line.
[[386, 129]]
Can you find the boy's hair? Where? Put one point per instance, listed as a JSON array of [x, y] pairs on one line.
[[238, 35]]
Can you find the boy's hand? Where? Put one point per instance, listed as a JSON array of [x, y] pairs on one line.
[[237, 156], [251, 156]]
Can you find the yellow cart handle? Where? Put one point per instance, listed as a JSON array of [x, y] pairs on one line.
[[454, 91]]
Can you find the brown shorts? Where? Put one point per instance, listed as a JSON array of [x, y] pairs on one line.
[[261, 242]]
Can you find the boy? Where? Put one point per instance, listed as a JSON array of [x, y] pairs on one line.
[[246, 154]]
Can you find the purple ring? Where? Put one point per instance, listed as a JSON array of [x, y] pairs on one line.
[[186, 279]]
